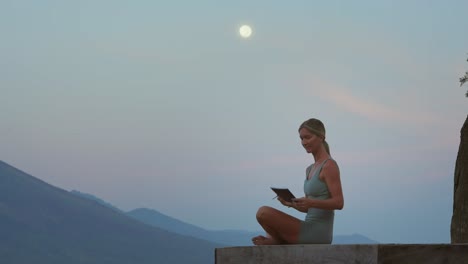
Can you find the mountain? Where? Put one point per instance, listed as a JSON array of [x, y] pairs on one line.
[[40, 223], [94, 198], [228, 237], [157, 219]]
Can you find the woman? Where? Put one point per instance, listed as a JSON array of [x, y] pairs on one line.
[[323, 195]]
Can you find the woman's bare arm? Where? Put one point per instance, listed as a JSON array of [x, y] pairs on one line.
[[330, 174]]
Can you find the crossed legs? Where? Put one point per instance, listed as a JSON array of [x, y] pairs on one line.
[[280, 227]]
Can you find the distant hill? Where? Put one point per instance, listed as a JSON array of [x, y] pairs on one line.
[[40, 223], [157, 219], [94, 198], [229, 237]]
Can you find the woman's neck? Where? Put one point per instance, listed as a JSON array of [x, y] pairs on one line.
[[320, 155]]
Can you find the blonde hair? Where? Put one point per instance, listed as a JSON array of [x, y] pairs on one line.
[[316, 127]]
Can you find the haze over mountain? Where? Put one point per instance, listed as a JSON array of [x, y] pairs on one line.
[[229, 237], [157, 219], [40, 223], [97, 199]]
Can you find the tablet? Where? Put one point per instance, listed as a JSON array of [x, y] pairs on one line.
[[284, 193]]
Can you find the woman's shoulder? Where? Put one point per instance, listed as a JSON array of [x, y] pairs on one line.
[[330, 169], [330, 164]]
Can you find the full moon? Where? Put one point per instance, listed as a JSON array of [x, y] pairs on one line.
[[245, 31]]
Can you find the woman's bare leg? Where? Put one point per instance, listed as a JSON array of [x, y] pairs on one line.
[[280, 227]]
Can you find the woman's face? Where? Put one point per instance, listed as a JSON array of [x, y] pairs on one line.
[[309, 140]]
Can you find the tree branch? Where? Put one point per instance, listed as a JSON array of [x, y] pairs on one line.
[[463, 80]]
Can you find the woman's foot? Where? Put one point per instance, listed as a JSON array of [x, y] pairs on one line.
[[262, 240]]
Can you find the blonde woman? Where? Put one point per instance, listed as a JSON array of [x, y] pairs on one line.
[[323, 195]]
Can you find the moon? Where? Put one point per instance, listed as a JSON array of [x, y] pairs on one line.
[[245, 31]]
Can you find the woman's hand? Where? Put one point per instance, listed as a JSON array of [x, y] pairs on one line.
[[297, 204], [285, 203], [302, 204]]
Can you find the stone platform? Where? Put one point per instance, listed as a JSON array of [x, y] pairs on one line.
[[362, 254]]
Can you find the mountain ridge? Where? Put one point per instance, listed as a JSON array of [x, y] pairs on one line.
[[231, 237], [40, 223]]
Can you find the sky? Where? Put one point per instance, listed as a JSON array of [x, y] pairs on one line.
[[161, 104]]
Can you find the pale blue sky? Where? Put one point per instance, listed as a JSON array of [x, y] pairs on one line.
[[161, 104]]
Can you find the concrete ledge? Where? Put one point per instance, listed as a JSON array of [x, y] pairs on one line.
[[327, 254]]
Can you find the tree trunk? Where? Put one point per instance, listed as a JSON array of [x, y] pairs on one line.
[[459, 226]]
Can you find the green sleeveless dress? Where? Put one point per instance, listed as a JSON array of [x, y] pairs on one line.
[[317, 228]]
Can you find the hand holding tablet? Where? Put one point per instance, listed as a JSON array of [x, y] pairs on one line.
[[284, 194]]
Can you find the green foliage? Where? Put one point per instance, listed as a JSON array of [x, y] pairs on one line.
[[464, 79]]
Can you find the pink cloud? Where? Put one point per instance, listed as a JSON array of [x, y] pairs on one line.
[[393, 112]]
